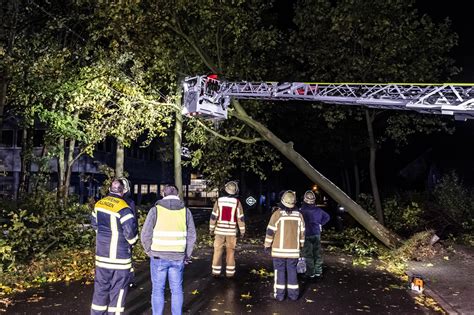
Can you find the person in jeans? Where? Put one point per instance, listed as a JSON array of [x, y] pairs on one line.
[[314, 218], [168, 237]]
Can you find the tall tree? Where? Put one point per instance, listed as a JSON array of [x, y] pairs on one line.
[[80, 91], [373, 42], [199, 26]]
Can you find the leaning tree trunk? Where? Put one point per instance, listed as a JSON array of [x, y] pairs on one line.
[[373, 174], [386, 236], [119, 159], [178, 173]]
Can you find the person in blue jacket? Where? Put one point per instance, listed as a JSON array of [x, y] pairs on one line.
[[314, 219], [127, 196], [116, 232]]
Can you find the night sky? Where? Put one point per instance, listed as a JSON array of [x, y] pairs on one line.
[[460, 14]]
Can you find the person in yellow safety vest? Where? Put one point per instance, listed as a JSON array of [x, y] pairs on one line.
[[116, 232], [285, 236], [168, 237], [226, 216]]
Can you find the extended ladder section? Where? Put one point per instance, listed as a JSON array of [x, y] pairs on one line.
[[209, 97]]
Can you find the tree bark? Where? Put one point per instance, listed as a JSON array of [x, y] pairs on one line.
[[386, 236], [25, 158], [372, 170], [61, 172], [70, 163], [177, 149], [119, 159]]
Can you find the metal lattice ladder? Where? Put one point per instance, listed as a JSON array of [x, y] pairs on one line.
[[209, 97]]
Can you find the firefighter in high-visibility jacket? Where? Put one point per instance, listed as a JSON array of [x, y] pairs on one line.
[[285, 236], [226, 217], [116, 231]]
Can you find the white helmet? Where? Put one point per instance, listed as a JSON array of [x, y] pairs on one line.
[[288, 199], [232, 188]]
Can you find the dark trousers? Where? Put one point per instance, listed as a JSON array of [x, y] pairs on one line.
[[312, 255], [285, 278], [110, 290]]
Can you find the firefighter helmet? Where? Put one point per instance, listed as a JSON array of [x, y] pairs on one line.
[[231, 188], [309, 197], [289, 199]]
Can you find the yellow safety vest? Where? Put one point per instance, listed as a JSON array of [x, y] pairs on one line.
[[169, 233]]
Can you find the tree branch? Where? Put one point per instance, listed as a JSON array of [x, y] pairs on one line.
[[228, 138], [201, 54]]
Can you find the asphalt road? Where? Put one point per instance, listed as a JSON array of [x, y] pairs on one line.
[[344, 289]]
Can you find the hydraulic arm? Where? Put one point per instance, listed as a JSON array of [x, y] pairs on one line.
[[209, 97]]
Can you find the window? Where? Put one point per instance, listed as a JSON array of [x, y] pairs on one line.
[[19, 138], [154, 188], [108, 145], [101, 146], [38, 138], [6, 138]]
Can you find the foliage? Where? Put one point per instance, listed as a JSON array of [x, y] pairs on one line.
[[455, 203], [82, 80], [218, 160], [204, 238], [403, 216], [71, 258], [376, 42], [39, 225], [417, 247], [138, 251], [67, 264], [355, 241]]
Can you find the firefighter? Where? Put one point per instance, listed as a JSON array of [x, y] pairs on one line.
[[227, 216], [116, 232], [127, 196], [285, 237]]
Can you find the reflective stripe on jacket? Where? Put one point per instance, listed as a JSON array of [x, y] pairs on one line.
[[116, 231], [285, 234], [169, 232], [226, 216]]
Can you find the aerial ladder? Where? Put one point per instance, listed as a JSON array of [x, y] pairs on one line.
[[209, 98]]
